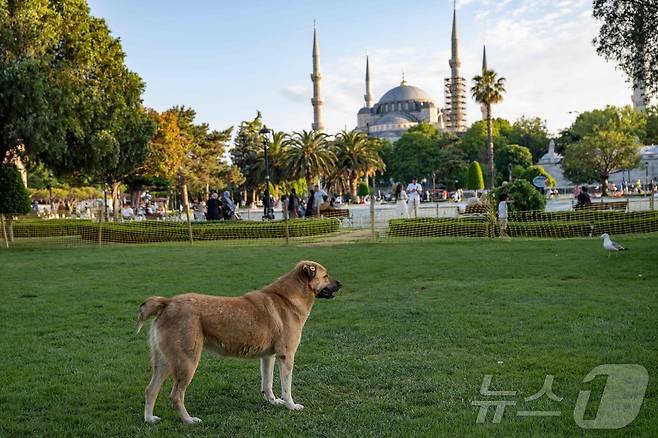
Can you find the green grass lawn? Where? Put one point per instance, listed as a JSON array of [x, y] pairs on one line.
[[401, 351]]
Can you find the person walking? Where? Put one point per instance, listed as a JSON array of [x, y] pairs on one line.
[[319, 198], [213, 206], [401, 201], [583, 198], [413, 192]]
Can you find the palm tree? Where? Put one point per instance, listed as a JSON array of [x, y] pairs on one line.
[[487, 90], [308, 156], [357, 157]]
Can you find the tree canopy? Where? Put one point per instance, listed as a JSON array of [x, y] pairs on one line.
[[66, 95], [629, 36]]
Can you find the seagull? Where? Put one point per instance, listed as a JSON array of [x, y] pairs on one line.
[[609, 245]]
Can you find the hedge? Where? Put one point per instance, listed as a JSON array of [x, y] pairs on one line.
[[531, 224], [161, 231]]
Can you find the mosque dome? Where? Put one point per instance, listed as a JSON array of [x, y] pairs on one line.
[[396, 118], [405, 92]]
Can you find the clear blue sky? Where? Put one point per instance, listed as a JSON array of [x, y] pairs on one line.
[[228, 59]]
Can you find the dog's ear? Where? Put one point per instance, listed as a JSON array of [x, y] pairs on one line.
[[309, 271]]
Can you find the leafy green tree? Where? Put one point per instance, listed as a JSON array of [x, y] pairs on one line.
[[309, 156], [513, 155], [276, 151], [629, 36], [651, 133], [488, 89], [531, 133], [67, 97], [599, 154], [14, 198], [611, 118], [474, 141], [524, 196], [474, 181], [246, 155], [423, 151]]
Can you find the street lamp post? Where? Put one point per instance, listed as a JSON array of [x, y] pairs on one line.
[[646, 174], [268, 212]]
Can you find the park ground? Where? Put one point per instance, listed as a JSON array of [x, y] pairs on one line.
[[402, 350]]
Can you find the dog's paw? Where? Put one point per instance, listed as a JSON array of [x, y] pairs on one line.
[[294, 406], [276, 401], [152, 419], [192, 420]]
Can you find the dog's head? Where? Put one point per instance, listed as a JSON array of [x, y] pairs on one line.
[[319, 280]]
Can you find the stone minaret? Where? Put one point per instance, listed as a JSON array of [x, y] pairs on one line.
[[455, 85], [368, 95], [483, 107], [640, 98], [316, 77]]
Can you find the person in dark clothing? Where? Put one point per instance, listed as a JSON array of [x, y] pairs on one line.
[[228, 206], [213, 205], [293, 204], [309, 203], [583, 198]]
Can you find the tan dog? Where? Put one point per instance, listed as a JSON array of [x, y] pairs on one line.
[[264, 324]]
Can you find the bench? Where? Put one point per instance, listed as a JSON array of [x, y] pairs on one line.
[[615, 206], [476, 209], [343, 214]]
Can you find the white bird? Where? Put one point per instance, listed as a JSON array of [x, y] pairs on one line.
[[611, 246]]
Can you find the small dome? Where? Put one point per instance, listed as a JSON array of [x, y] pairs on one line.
[[405, 92], [396, 118]]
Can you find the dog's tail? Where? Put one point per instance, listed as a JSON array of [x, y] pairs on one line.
[[151, 307]]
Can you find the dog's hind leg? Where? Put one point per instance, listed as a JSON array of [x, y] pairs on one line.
[[160, 371], [267, 376], [183, 372]]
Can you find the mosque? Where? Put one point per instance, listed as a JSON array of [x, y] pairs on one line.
[[403, 106]]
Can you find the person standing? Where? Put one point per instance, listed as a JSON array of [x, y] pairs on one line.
[[413, 192], [293, 204], [228, 206], [310, 210], [401, 201], [319, 198], [502, 214], [213, 206]]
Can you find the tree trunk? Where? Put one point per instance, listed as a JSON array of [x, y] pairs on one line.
[[4, 230], [604, 187], [490, 163], [116, 207], [352, 183]]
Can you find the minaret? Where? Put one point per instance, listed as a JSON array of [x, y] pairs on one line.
[[640, 98], [483, 107], [455, 86], [368, 95], [316, 77]]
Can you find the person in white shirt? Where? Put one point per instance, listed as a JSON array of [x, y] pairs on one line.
[[413, 192], [318, 195], [127, 212], [401, 201], [502, 214]]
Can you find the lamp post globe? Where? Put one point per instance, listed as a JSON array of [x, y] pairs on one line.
[[268, 211]]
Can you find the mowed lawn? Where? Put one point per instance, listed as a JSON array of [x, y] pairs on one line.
[[401, 351]]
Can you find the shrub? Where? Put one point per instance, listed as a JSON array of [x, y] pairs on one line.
[[474, 180], [363, 189], [14, 198], [536, 170], [523, 194]]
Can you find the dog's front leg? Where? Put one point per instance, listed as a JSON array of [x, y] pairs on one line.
[[267, 376], [286, 362]]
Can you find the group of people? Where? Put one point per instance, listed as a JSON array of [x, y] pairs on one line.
[[409, 198], [221, 208], [316, 202]]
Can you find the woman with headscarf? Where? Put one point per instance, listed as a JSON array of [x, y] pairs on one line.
[[213, 206], [293, 204], [228, 206], [309, 204]]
